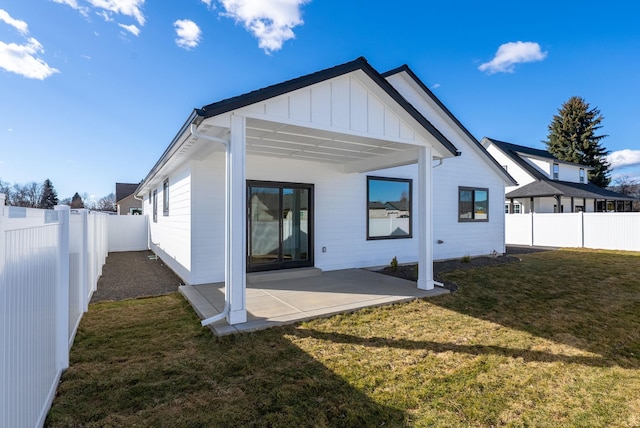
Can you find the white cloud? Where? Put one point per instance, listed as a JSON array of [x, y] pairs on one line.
[[624, 157], [270, 21], [19, 25], [512, 53], [74, 5], [435, 86], [131, 8], [131, 28], [209, 4], [23, 59], [188, 33]]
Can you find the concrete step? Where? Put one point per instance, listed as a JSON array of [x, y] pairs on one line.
[[279, 275]]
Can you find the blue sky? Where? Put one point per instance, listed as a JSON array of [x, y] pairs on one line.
[[92, 91]]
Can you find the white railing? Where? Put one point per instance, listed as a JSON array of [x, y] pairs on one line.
[[611, 231], [49, 266]]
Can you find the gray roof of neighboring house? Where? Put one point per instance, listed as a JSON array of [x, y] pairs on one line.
[[547, 187], [125, 189]]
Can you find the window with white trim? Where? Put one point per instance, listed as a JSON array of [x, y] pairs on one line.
[[556, 171], [165, 198], [581, 175]]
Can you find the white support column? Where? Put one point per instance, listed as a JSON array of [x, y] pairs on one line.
[[425, 220], [236, 224]]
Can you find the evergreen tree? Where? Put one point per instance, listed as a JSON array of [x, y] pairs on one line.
[[76, 201], [49, 197], [572, 138]]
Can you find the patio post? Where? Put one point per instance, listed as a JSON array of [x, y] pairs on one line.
[[425, 220], [235, 233]]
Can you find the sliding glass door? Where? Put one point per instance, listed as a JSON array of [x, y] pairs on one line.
[[279, 225]]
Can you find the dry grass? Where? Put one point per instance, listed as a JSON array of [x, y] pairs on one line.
[[551, 341]]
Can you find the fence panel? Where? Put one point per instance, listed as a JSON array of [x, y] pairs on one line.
[[30, 288], [50, 261], [128, 233], [557, 230], [612, 231], [518, 229]]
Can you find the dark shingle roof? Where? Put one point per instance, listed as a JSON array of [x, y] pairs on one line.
[[541, 188], [125, 189]]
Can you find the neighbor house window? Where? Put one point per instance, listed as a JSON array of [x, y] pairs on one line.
[[155, 206], [473, 204], [165, 197], [556, 171], [388, 208], [581, 175]]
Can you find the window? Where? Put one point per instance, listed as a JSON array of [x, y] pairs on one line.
[[388, 208], [556, 171], [473, 204], [506, 208], [155, 206], [516, 208], [165, 197], [581, 175]]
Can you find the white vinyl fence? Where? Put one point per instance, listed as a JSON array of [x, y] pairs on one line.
[[609, 231], [50, 261]]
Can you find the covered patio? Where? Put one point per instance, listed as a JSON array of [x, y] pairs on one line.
[[285, 297]]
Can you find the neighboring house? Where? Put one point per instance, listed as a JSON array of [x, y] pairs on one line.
[[126, 203], [302, 173], [549, 185]]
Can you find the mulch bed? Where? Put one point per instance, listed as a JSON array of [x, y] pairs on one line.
[[133, 274], [409, 272]]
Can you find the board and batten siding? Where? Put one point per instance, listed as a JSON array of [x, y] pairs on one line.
[[471, 169], [170, 236]]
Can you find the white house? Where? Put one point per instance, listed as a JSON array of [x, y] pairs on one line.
[[303, 173], [547, 184]]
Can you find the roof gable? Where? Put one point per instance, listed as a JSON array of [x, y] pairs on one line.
[[125, 189], [427, 94]]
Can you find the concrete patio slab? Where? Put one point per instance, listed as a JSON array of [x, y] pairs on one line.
[[288, 298]]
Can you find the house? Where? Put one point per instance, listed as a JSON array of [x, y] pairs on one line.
[[126, 203], [549, 185], [298, 174]]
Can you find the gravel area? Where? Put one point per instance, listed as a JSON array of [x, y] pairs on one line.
[[133, 274]]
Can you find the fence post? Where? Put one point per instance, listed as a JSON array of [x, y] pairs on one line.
[[4, 386], [532, 234], [582, 228], [84, 264], [62, 298]]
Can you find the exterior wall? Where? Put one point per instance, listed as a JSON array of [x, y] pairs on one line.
[[466, 238], [170, 236], [125, 205], [518, 174], [471, 169]]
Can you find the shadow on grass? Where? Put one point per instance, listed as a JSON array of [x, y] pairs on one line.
[[439, 347], [585, 299], [149, 363]]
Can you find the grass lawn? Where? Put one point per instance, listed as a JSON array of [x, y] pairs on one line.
[[553, 341]]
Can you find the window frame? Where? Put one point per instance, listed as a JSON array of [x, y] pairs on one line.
[[473, 191], [165, 198], [408, 181], [155, 205], [555, 171], [581, 176]]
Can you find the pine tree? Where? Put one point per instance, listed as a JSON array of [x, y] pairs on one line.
[[76, 201], [572, 138], [49, 197]]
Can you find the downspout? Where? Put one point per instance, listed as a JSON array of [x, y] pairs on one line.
[[227, 220]]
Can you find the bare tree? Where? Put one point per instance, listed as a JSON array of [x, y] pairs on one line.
[[106, 203]]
